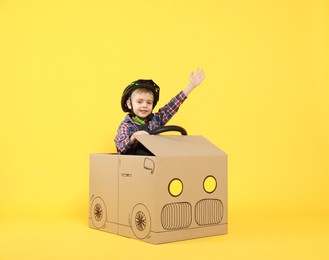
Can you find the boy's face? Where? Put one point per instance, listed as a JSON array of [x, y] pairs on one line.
[[142, 103]]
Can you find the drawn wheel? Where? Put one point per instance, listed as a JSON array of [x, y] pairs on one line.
[[98, 212], [141, 221]]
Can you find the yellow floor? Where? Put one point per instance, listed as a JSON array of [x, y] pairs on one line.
[[248, 238]]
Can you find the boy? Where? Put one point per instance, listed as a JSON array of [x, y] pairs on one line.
[[139, 99]]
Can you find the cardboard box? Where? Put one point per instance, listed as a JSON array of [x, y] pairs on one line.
[[179, 193]]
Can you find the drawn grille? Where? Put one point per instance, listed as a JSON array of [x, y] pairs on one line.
[[176, 215], [208, 212]]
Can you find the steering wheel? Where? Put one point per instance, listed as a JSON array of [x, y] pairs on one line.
[[159, 130], [168, 128]]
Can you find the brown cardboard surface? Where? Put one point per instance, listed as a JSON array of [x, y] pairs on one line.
[[104, 170], [162, 198], [176, 145]]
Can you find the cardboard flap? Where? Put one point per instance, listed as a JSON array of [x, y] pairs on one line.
[[179, 145]]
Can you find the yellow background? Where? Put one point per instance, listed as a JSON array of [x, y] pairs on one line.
[[265, 101]]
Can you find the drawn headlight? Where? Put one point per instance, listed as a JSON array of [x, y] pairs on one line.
[[210, 184], [175, 187]]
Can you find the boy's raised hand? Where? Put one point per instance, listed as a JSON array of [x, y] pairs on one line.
[[196, 77]]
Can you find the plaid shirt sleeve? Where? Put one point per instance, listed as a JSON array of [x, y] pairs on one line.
[[168, 111], [122, 139]]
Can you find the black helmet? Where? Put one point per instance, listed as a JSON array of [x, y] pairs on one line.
[[141, 83]]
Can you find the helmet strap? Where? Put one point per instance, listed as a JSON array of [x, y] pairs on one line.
[[137, 118], [131, 107]]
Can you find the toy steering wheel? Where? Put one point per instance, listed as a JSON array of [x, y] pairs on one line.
[[168, 128], [159, 130]]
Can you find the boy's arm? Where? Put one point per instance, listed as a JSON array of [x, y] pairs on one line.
[[168, 111], [126, 137], [195, 79], [122, 139]]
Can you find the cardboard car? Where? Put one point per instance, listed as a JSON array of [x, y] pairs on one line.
[[177, 193]]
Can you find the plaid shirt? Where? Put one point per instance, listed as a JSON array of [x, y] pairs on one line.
[[128, 126]]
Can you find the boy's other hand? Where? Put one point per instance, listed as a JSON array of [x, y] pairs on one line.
[[133, 137]]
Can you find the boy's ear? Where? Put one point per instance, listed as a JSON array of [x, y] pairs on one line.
[[128, 104]]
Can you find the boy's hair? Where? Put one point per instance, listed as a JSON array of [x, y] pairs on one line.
[[142, 90], [140, 84]]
